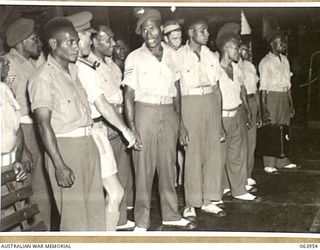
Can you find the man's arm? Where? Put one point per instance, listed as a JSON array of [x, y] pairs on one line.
[[291, 106], [183, 133], [265, 113], [259, 118], [108, 112], [64, 174], [18, 168], [129, 114], [244, 98]]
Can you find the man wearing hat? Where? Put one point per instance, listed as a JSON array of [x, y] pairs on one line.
[[275, 85], [24, 44], [201, 111], [172, 34], [94, 76], [152, 109], [64, 120]]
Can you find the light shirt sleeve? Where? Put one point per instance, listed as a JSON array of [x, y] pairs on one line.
[[130, 76], [90, 82], [40, 93], [265, 76]]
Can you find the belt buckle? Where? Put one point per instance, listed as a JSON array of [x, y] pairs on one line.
[[201, 90], [87, 130]]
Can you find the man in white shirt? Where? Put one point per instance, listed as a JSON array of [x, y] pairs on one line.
[[201, 111], [250, 82], [92, 76], [152, 109], [275, 85], [233, 100]]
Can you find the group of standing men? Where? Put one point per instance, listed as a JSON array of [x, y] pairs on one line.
[[81, 113]]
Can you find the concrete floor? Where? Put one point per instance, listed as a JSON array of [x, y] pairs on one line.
[[291, 200]]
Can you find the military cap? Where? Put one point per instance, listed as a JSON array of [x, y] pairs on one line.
[[81, 21], [148, 14], [170, 26], [273, 34], [18, 31]]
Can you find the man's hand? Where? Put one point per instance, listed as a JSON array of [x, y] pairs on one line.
[[266, 118], [138, 143], [27, 158], [183, 135], [130, 136], [19, 170], [223, 134], [112, 134], [259, 119], [64, 176], [292, 111]]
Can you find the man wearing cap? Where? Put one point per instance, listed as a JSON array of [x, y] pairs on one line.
[[233, 100], [201, 111], [172, 34], [24, 44], [63, 117], [276, 100], [93, 77], [250, 82], [152, 109]]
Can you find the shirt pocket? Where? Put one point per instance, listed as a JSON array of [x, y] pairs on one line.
[[68, 109]]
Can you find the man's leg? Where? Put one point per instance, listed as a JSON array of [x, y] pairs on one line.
[[252, 135]]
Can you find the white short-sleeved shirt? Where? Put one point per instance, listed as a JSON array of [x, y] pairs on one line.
[[275, 74], [10, 118], [150, 77], [231, 89], [250, 76], [90, 81], [197, 72]]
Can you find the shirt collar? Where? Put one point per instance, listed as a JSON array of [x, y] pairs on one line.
[[73, 70], [21, 59], [145, 48]]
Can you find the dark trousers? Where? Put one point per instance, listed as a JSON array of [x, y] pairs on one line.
[[82, 206], [278, 107], [252, 135], [203, 169], [158, 129]]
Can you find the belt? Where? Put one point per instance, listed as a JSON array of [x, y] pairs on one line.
[[230, 112], [26, 119], [8, 158], [157, 100], [79, 132], [200, 90], [98, 119], [283, 89], [118, 108], [251, 95]]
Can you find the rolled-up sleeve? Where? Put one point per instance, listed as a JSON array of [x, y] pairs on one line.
[[40, 93], [130, 77]]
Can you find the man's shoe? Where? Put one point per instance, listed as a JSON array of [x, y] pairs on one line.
[[129, 225], [189, 213], [251, 189], [218, 203], [139, 229], [292, 166], [247, 197], [180, 223], [129, 207], [226, 192], [271, 170], [251, 182], [214, 210]]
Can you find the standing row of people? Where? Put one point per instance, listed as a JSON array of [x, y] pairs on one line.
[[82, 111]]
